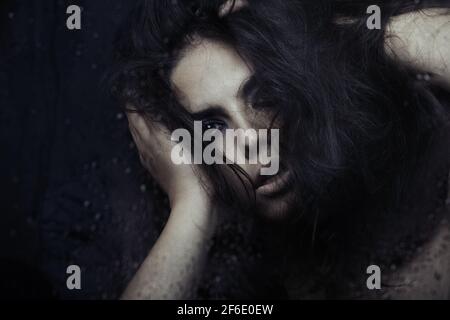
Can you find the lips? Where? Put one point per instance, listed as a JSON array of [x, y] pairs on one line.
[[270, 186]]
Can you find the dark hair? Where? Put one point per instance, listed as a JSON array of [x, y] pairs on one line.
[[354, 110], [356, 121]]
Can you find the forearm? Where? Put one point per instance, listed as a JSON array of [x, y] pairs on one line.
[[422, 40], [173, 267]]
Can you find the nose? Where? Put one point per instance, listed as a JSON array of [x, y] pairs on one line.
[[246, 125]]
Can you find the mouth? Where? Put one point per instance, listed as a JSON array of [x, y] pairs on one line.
[[271, 186]]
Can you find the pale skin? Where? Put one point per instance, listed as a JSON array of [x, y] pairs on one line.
[[421, 39], [212, 74]]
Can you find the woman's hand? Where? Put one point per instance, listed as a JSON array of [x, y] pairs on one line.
[[421, 39], [153, 142], [173, 268]]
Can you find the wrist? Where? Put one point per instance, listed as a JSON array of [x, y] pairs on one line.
[[192, 194], [196, 213]]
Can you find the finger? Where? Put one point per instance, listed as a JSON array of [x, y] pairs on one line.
[[140, 144], [145, 153], [138, 124], [150, 132], [143, 133]]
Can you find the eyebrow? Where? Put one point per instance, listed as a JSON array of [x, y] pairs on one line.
[[246, 86]]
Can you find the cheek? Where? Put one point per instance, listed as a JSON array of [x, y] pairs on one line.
[[277, 209], [236, 155], [237, 180], [240, 187]]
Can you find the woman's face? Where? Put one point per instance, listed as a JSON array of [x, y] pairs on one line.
[[209, 81]]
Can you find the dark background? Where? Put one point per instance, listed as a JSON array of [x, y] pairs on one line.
[[72, 189]]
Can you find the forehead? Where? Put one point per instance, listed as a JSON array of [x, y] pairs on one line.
[[208, 73]]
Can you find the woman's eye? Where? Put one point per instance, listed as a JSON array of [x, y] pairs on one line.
[[214, 124]]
